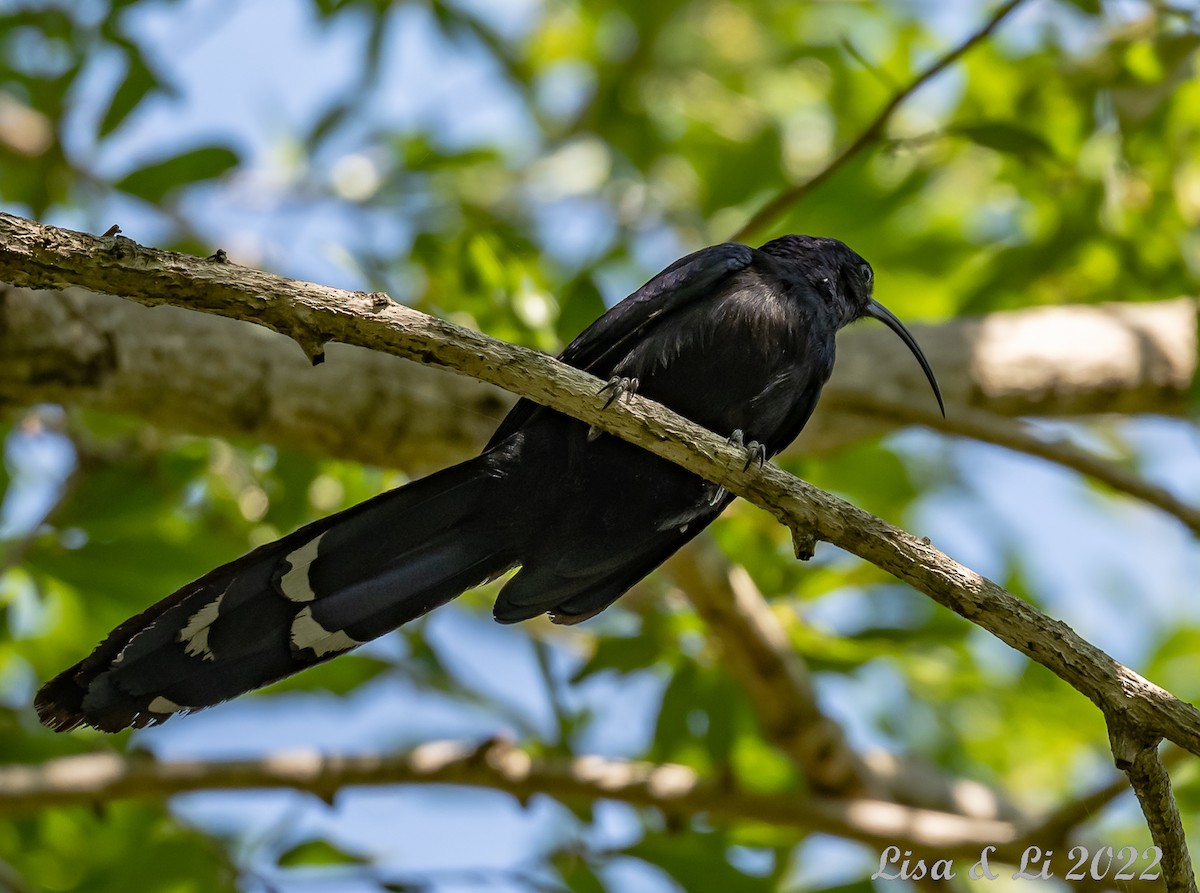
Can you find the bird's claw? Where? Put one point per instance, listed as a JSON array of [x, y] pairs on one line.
[[755, 451], [620, 387]]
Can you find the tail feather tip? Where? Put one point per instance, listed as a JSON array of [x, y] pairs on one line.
[[61, 706]]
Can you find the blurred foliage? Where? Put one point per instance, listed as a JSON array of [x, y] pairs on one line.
[[1058, 162]]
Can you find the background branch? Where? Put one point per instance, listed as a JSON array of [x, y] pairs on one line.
[[206, 375], [676, 790], [1016, 435], [755, 648], [1056, 827]]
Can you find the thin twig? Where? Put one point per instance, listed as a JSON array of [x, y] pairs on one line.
[[1056, 827], [1019, 436], [872, 132], [562, 714]]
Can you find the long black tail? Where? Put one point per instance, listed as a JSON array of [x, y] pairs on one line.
[[304, 599]]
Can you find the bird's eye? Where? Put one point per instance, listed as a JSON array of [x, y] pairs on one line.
[[868, 274]]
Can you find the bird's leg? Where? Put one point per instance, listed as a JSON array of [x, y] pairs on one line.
[[620, 387]]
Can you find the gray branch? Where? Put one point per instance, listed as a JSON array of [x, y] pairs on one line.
[[198, 374], [1018, 436], [44, 257], [1137, 755]]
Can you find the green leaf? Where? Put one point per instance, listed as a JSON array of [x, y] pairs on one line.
[[338, 677], [332, 118], [1194, 389], [872, 477], [317, 852], [1004, 137], [620, 654], [139, 82], [671, 731], [576, 874], [154, 181], [119, 848], [580, 304], [697, 861]]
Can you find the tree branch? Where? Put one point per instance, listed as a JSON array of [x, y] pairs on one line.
[[674, 789], [36, 256], [873, 131], [1152, 785], [205, 375], [1137, 755], [232, 380], [45, 257], [1015, 435]]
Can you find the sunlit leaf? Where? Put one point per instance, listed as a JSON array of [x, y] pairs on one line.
[[154, 181], [1005, 137], [697, 862], [316, 852], [139, 81]]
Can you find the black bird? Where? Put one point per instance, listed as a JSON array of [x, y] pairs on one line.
[[737, 339]]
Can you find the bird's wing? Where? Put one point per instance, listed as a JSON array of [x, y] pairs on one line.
[[601, 345]]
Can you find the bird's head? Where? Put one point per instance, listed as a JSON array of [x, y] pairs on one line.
[[846, 280]]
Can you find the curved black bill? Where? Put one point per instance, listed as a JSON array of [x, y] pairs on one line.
[[875, 310]]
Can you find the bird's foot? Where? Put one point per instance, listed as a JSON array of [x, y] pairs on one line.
[[755, 451], [620, 387]]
